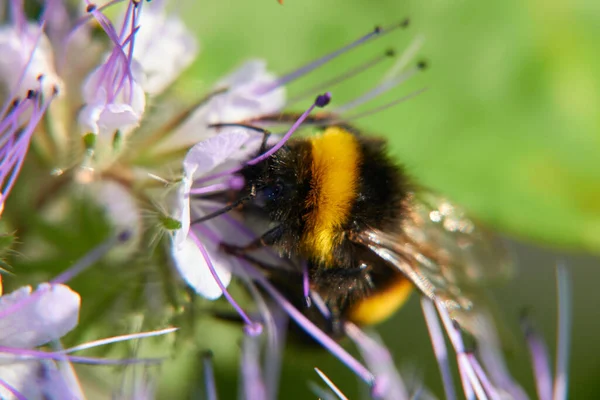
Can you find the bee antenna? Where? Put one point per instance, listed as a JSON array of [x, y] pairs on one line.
[[225, 209], [377, 32], [387, 55], [251, 127]]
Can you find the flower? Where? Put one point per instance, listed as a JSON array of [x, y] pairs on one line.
[[28, 320]]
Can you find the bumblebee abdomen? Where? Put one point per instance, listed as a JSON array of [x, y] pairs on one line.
[[335, 168]]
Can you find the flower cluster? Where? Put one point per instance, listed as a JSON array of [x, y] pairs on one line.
[[81, 88]]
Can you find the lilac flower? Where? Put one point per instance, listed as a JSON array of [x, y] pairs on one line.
[[29, 320], [26, 55]]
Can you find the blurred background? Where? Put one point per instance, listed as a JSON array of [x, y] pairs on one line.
[[508, 128]]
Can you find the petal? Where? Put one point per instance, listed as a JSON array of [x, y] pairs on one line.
[[32, 319], [21, 49], [194, 270], [163, 47], [212, 152], [181, 211], [34, 380]]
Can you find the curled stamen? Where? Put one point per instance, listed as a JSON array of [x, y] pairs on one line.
[[377, 32]]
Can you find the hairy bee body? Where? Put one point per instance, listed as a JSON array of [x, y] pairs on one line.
[[320, 192]]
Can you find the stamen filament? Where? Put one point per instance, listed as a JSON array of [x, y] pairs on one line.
[[330, 384], [563, 341], [250, 325], [439, 346], [377, 32], [331, 345], [321, 101]]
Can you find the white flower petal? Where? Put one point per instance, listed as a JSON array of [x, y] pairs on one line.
[[36, 318], [34, 380], [242, 100], [212, 152], [104, 116], [194, 270], [163, 47], [181, 211], [19, 51]]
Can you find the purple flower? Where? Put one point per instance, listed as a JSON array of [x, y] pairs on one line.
[[28, 320]]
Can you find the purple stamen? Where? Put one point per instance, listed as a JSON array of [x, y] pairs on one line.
[[12, 390], [483, 378], [540, 360], [90, 258], [28, 354], [251, 328], [284, 80], [439, 346], [467, 374], [331, 385], [320, 304], [309, 327], [209, 376], [117, 339], [342, 78], [253, 384], [378, 109], [377, 90], [306, 283], [563, 341], [321, 101]]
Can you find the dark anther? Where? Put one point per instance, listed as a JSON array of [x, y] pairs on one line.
[[55, 90], [405, 23], [422, 64], [390, 52], [31, 94], [377, 29], [124, 236], [323, 99], [207, 354], [91, 8], [40, 77]]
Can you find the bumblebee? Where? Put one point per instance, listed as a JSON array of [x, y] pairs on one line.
[[366, 231]]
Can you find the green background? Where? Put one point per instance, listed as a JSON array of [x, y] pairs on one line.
[[509, 128]]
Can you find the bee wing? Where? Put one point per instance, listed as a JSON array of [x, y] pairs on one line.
[[444, 253]]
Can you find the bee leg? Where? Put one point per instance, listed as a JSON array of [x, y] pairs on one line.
[[267, 239]]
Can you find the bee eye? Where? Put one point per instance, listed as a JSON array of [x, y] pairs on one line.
[[274, 191]]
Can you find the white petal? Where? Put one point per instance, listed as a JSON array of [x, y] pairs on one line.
[[34, 380], [181, 211], [21, 49], [212, 152], [32, 319], [104, 116], [163, 47], [242, 100], [194, 270]]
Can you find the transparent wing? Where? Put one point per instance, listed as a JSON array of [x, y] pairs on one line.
[[443, 252]]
